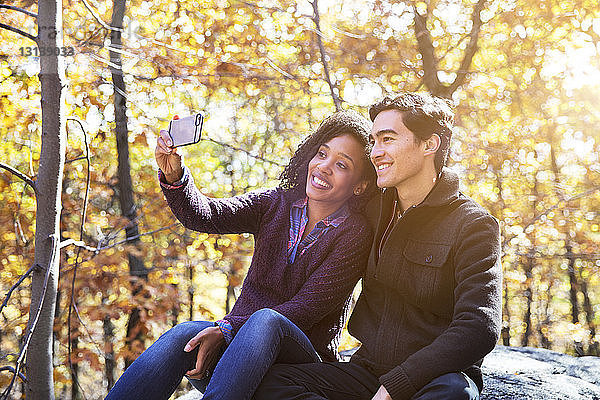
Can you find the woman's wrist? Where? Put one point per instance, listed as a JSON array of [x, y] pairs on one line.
[[173, 177]]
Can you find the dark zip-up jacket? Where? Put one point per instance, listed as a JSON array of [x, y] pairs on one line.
[[431, 297]]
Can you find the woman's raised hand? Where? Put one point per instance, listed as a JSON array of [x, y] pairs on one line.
[[169, 162]]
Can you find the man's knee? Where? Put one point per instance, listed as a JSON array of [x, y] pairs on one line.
[[279, 375], [453, 386]]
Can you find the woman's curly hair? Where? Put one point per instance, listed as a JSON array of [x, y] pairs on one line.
[[293, 178]]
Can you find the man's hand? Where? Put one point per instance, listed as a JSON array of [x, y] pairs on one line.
[[382, 394], [168, 160], [209, 342]]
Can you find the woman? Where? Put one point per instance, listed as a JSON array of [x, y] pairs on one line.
[[311, 246]]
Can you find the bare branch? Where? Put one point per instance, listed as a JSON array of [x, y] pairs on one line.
[[287, 75], [317, 20], [16, 285], [256, 6], [36, 318], [11, 369], [243, 151], [72, 303], [563, 199], [430, 63], [20, 32], [98, 249], [98, 19], [77, 243], [281, 71], [31, 14], [20, 175], [349, 34], [471, 49], [75, 159]]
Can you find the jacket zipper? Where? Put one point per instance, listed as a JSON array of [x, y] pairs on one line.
[[385, 233]]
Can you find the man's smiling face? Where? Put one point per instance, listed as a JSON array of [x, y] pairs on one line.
[[397, 154]]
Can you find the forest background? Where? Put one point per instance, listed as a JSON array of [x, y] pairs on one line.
[[524, 77]]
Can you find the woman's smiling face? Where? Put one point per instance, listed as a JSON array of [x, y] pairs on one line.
[[335, 171]]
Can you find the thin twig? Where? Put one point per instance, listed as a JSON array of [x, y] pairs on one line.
[[20, 175], [255, 6], [243, 151], [11, 369], [75, 159], [317, 21], [555, 206], [16, 285], [113, 28], [77, 243], [20, 32], [98, 19], [281, 71], [349, 34], [31, 14], [98, 249], [72, 302], [36, 318]]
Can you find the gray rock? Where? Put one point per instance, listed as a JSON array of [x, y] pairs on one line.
[[515, 373], [529, 373], [191, 395]]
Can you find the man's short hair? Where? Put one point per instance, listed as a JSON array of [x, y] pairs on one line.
[[424, 115]]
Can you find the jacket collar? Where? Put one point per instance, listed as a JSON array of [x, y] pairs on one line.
[[445, 190]]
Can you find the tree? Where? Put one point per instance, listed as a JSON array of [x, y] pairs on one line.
[[38, 343], [135, 326]]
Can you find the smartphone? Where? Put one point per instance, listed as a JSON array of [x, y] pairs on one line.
[[187, 130]]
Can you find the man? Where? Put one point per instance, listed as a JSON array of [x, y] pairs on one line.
[[430, 307]]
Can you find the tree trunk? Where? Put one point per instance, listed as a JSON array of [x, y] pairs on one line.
[[135, 328], [544, 316], [505, 332], [506, 318], [589, 316], [528, 267], [573, 284], [39, 368], [109, 354], [430, 61], [191, 292]]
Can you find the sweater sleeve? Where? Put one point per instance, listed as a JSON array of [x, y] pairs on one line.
[[329, 286], [239, 214], [477, 316]]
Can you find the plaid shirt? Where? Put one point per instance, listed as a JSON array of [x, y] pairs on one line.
[[298, 220]]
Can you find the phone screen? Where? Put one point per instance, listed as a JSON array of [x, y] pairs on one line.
[[187, 130]]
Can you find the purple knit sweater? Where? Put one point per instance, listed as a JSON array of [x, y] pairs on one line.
[[313, 292]]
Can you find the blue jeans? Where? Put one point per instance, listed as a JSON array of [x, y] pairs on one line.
[[265, 338]]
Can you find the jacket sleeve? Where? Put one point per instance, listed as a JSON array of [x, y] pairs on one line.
[[477, 317], [239, 214], [329, 286]]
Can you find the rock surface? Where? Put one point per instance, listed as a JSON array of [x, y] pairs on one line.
[[514, 373], [529, 373]]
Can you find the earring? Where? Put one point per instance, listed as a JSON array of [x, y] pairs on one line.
[[356, 192]]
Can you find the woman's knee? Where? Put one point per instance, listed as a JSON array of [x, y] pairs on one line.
[[183, 332], [266, 318]]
